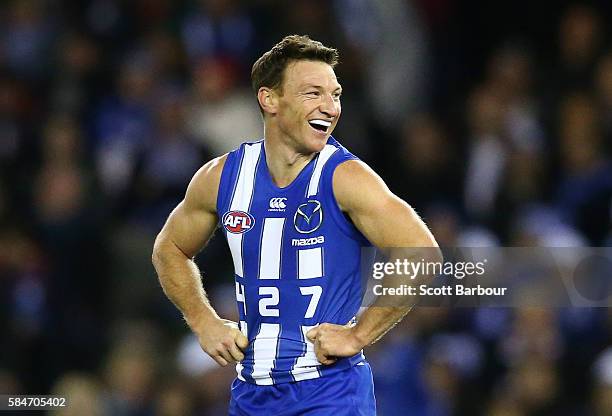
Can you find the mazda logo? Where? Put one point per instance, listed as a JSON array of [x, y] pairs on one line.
[[308, 217]]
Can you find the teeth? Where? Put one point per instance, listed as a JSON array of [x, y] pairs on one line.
[[321, 123]]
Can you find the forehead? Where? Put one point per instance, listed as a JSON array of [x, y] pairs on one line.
[[299, 74]]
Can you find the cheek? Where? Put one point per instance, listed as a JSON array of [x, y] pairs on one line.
[[290, 119]]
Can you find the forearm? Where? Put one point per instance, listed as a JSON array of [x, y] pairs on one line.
[[180, 279], [387, 310], [376, 321]]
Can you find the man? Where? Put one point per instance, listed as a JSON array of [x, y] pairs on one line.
[[296, 209]]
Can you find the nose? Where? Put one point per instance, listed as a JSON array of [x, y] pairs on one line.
[[329, 106]]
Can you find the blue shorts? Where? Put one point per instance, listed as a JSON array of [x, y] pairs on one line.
[[345, 393]]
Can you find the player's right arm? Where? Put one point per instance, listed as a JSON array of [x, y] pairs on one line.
[[187, 230]]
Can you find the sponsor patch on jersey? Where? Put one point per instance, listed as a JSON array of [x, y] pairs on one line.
[[277, 204], [308, 241], [237, 222], [308, 217]]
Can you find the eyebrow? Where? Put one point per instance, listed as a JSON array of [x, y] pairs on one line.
[[320, 87]]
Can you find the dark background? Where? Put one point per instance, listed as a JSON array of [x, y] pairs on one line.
[[493, 119]]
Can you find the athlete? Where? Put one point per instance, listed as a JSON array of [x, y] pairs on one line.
[[296, 209]]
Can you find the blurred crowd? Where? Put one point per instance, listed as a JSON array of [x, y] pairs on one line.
[[492, 119]]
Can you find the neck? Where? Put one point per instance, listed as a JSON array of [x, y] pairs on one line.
[[283, 160]]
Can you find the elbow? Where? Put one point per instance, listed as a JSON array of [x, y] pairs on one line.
[[430, 253], [157, 254], [161, 258], [436, 252], [155, 258], [166, 254]]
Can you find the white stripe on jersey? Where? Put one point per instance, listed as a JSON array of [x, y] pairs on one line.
[[239, 366], [265, 345], [241, 200], [324, 155], [234, 241], [306, 366], [271, 248], [310, 263]]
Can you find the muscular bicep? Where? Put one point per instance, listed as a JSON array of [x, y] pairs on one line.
[[385, 219], [188, 228], [193, 222]]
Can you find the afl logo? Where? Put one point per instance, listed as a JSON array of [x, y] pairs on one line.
[[308, 217], [238, 222]]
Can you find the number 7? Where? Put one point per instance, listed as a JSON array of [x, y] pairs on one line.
[[315, 292]]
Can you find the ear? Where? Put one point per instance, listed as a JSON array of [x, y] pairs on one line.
[[268, 100]]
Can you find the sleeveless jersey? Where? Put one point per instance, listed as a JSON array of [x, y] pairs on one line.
[[296, 261]]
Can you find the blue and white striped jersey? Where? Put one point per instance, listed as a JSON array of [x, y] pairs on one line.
[[296, 261]]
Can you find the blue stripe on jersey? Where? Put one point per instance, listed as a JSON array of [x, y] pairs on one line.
[[300, 261]]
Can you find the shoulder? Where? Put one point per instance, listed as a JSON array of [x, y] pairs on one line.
[[204, 186], [340, 153], [356, 184]]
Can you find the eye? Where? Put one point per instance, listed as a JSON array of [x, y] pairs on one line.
[[313, 93], [337, 95]]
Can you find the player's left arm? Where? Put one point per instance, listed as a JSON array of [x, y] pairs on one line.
[[386, 221]]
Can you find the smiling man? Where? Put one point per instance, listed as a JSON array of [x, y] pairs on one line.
[[296, 209]]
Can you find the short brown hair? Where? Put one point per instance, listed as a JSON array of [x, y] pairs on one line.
[[269, 69]]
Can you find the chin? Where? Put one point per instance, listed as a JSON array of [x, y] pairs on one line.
[[317, 144]]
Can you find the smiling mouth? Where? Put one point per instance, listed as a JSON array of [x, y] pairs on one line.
[[320, 125]]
